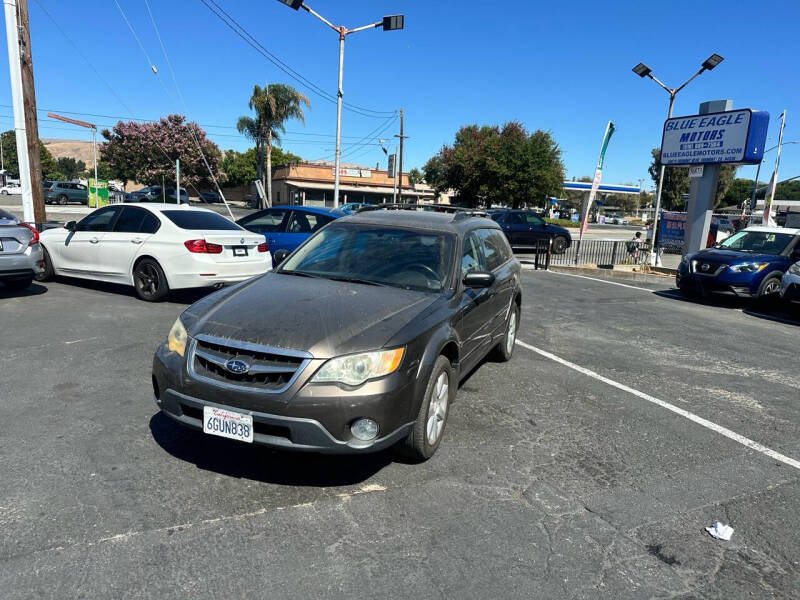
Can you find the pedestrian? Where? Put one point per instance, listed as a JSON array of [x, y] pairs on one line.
[[633, 246]]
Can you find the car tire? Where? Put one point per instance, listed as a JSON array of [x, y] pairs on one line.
[[769, 291], [429, 426], [18, 284], [149, 280], [505, 349], [559, 244], [62, 199], [4, 192], [48, 272]]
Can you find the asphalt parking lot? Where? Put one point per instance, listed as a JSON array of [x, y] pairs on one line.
[[587, 467]]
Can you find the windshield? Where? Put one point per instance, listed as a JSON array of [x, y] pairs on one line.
[[404, 258], [760, 242]]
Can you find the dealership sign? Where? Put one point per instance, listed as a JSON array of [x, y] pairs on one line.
[[734, 136]]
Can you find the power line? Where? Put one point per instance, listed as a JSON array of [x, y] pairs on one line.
[[239, 30]]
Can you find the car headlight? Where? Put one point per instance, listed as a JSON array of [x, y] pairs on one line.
[[176, 340], [751, 267], [795, 269], [355, 369]]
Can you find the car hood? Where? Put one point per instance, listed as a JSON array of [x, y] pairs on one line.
[[324, 317], [730, 257]]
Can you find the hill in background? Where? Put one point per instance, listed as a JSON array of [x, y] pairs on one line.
[[77, 149]]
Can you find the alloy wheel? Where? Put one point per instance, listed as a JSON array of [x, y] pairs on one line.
[[437, 408], [147, 280], [511, 334], [773, 287]]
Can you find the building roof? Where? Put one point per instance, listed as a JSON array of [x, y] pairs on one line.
[[368, 189]]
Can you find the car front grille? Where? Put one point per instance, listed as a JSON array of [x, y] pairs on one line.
[[703, 267], [261, 368]]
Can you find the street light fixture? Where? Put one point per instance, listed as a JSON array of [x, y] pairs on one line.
[[388, 23], [642, 70]]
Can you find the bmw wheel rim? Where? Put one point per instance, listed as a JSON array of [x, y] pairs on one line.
[[511, 336], [437, 408], [147, 280]]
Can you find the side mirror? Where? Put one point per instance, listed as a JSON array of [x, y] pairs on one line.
[[478, 279], [71, 226], [280, 256]]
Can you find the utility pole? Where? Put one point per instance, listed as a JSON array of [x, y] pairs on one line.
[[20, 66], [178, 181], [402, 137]]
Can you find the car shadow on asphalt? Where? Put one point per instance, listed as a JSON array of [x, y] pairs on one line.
[[777, 314], [183, 296], [32, 290], [251, 461]]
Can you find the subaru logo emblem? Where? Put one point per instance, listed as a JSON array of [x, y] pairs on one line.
[[705, 266], [237, 366]]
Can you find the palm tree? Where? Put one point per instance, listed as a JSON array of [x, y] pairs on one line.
[[274, 105]]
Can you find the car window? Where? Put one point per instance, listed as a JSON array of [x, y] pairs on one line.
[[136, 220], [472, 256], [533, 219], [80, 186], [266, 221], [516, 219], [200, 220], [303, 222], [99, 220], [761, 242], [495, 248]]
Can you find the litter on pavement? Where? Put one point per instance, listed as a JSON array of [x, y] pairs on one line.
[[720, 531]]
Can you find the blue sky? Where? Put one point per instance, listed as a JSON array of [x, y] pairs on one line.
[[559, 66]]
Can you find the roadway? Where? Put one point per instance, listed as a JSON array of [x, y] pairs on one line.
[[587, 467]]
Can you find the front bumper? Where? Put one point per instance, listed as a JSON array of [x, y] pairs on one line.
[[25, 264], [790, 287], [305, 417], [739, 285]]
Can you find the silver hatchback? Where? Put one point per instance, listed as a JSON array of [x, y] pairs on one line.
[[20, 252]]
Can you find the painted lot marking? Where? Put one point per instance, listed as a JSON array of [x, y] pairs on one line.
[[625, 285], [744, 441]]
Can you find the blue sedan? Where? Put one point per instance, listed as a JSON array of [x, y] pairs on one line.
[[286, 227]]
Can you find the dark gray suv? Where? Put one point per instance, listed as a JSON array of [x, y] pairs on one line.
[[357, 342]]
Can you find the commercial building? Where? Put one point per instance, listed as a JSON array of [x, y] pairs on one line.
[[311, 184]]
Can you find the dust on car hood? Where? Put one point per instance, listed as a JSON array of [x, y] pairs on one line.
[[324, 317]]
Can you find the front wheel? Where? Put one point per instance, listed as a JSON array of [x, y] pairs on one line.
[[149, 280], [429, 426], [4, 192], [769, 291]]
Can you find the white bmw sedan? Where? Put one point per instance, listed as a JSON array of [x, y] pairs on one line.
[[155, 248]]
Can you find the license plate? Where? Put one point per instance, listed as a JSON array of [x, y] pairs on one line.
[[228, 424], [239, 251]]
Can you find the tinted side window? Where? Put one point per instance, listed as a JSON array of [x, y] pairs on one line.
[[495, 248], [200, 219], [303, 222], [268, 221], [472, 257], [534, 219], [130, 220], [100, 220], [150, 224], [516, 219]]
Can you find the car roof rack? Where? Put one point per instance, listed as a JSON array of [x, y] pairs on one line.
[[458, 211]]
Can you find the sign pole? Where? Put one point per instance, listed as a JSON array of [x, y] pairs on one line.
[[660, 189]]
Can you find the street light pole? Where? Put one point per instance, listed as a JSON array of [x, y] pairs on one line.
[[93, 127], [642, 70], [389, 23]]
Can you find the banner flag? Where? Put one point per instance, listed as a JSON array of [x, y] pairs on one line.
[[597, 176]]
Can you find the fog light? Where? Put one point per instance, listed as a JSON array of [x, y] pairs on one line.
[[364, 429]]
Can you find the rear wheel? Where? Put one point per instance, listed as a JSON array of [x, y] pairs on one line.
[[429, 427], [62, 199], [505, 349], [559, 244], [18, 284], [48, 272], [149, 280]]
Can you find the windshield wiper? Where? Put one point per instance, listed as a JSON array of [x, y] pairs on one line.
[[357, 280], [300, 274]]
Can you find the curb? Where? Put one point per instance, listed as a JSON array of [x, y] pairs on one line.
[[661, 276]]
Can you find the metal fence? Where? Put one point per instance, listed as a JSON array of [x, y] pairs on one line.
[[601, 253]]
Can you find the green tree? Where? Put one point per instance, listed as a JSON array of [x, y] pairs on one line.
[[273, 105], [70, 167], [727, 175], [489, 165], [788, 190], [11, 162], [739, 191], [415, 176], [240, 168]]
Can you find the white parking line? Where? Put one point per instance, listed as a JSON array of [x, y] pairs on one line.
[[670, 407], [633, 287]]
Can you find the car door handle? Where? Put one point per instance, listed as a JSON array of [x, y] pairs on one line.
[[137, 240], [93, 240]]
